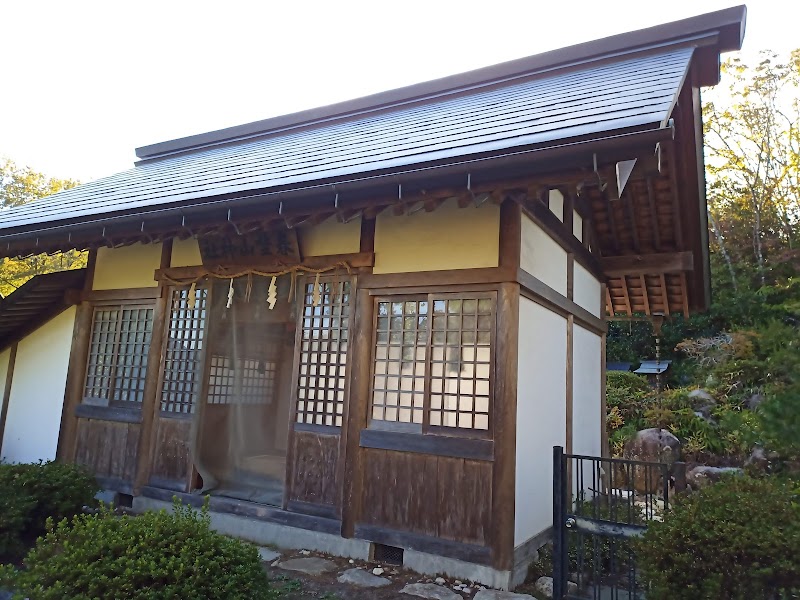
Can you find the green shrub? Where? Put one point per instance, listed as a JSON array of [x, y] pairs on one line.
[[30, 493], [627, 397], [152, 556], [735, 540]]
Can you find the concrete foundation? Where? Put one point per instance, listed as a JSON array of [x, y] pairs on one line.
[[286, 537]]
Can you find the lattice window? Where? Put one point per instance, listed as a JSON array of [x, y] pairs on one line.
[[118, 348], [180, 386], [398, 383], [243, 381], [433, 356], [323, 353]]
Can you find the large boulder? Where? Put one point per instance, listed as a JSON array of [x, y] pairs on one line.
[[703, 476], [650, 445], [700, 396]]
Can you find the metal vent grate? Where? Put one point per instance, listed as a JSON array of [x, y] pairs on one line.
[[389, 555]]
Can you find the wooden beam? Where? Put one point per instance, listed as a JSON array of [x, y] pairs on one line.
[[543, 216], [510, 235], [12, 360], [609, 301], [630, 211], [355, 260], [367, 244], [76, 371], [541, 293], [664, 292], [684, 295], [676, 206], [651, 202], [647, 264], [645, 298], [625, 295], [612, 222]]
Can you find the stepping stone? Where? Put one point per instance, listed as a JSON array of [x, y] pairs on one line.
[[361, 578], [431, 591], [498, 595], [309, 566], [268, 554]]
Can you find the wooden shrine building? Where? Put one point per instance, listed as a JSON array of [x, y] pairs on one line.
[[363, 328]]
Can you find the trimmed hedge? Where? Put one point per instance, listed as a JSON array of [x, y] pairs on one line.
[[738, 539], [152, 556], [31, 493]]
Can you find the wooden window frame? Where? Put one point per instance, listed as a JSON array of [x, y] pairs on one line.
[[302, 284], [201, 368], [121, 304], [425, 428]]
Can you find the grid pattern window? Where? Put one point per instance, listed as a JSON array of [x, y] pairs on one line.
[[461, 359], [117, 362], [180, 386], [242, 381], [398, 383], [323, 353], [433, 362]]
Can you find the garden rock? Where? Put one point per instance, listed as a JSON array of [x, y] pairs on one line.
[[430, 590], [754, 401], [650, 445], [544, 586], [309, 566], [361, 578], [758, 462], [703, 476], [268, 554], [498, 595], [701, 394]]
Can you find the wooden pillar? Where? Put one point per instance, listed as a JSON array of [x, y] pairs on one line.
[[76, 372], [12, 359], [155, 357], [356, 413], [505, 426]]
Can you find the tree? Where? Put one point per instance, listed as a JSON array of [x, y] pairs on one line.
[[753, 155], [18, 186]]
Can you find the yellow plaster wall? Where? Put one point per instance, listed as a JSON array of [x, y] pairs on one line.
[[330, 237], [185, 253], [126, 267], [447, 238]]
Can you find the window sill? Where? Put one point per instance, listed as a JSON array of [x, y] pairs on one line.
[[109, 413], [438, 445]]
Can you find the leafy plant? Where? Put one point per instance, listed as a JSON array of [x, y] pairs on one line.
[[152, 556], [738, 539], [32, 493]]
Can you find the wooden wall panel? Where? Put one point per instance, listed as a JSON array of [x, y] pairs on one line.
[[314, 478], [108, 448], [438, 496], [171, 456]]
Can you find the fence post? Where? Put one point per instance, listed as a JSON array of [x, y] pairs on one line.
[[559, 518], [679, 468]]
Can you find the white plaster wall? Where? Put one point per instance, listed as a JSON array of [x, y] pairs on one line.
[[556, 202], [586, 291], [37, 391], [541, 415], [587, 377], [577, 225], [542, 257]]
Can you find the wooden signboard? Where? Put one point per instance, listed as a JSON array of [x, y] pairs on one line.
[[272, 246]]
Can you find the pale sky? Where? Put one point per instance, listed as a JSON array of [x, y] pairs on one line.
[[83, 83]]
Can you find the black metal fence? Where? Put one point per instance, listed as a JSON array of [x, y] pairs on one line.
[[599, 505]]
